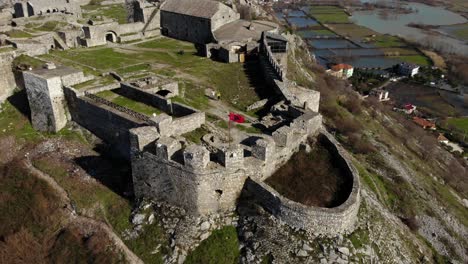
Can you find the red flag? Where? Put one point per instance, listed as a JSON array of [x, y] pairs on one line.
[[236, 118]]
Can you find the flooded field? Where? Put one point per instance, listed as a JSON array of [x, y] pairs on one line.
[[397, 24], [459, 31], [332, 37], [302, 22], [331, 44]]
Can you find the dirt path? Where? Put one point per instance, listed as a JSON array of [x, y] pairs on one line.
[[81, 221]]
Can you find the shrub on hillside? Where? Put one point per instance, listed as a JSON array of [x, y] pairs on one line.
[[352, 103], [360, 144], [347, 126]]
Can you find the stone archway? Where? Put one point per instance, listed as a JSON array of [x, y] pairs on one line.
[[111, 36]]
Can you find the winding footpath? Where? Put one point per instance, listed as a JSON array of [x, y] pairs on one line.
[[75, 219]]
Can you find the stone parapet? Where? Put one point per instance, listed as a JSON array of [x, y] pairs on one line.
[[317, 220]]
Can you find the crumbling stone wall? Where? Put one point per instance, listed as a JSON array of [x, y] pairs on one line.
[[44, 7], [325, 221], [105, 122], [7, 79], [178, 118], [95, 35], [275, 76]]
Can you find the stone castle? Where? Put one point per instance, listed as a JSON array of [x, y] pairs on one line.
[[201, 178]]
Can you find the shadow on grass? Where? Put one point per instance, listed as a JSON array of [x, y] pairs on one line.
[[19, 100], [113, 172]]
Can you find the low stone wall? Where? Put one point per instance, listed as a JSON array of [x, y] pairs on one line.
[[188, 123], [106, 123], [324, 221], [142, 96], [131, 37], [183, 119]]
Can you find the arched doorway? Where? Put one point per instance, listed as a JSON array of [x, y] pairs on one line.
[[111, 36]]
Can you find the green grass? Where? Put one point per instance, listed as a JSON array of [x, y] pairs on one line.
[[98, 81], [196, 135], [104, 59], [116, 12], [113, 209], [47, 26], [332, 18], [168, 44], [401, 52], [359, 238], [221, 247], [16, 33], [461, 33], [27, 60], [249, 129], [352, 30], [231, 80], [324, 32], [459, 123], [129, 103], [134, 68], [415, 59], [329, 14], [6, 49], [13, 123], [144, 245], [387, 41]]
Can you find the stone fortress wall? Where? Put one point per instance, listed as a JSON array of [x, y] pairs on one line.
[[324, 221], [201, 179], [112, 122], [107, 123]]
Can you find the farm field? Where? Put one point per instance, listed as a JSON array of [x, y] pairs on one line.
[[459, 123], [329, 14], [459, 31], [352, 30], [338, 34], [425, 98]]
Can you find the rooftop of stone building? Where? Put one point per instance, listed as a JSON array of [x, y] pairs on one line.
[[199, 8], [57, 72], [243, 30]]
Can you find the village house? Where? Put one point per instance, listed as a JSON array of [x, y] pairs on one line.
[[342, 71], [424, 123], [407, 69], [409, 109], [442, 139], [380, 94]]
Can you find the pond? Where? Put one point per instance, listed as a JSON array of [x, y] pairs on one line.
[[308, 33], [350, 52], [396, 24], [363, 62], [330, 43], [302, 22]]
